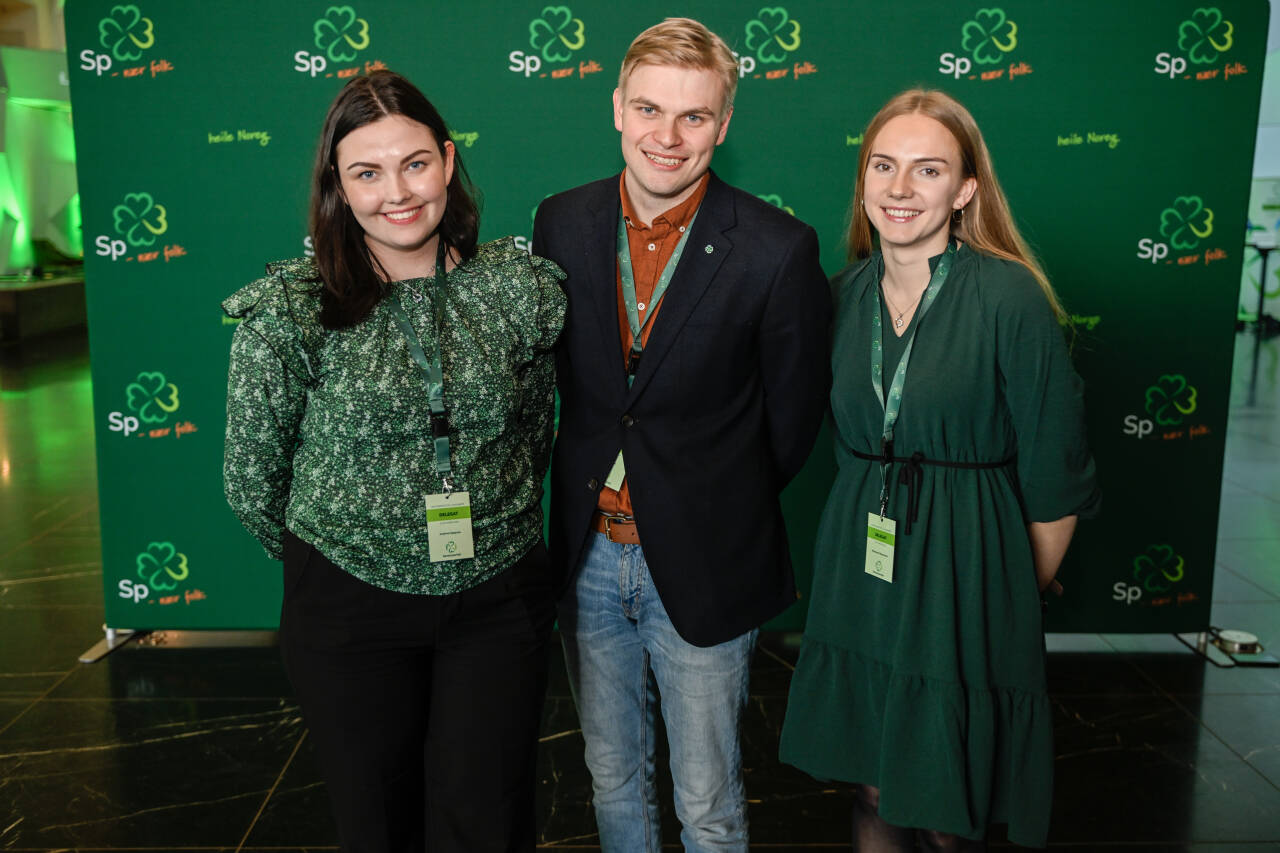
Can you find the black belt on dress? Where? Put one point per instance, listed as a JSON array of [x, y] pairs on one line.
[[912, 473]]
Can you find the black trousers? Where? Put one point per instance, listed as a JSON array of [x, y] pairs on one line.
[[424, 710]]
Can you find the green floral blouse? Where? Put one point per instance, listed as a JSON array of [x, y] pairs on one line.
[[329, 432]]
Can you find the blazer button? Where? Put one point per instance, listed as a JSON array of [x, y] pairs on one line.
[[593, 484], [628, 421]]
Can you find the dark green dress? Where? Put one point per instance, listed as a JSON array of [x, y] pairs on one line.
[[932, 687]]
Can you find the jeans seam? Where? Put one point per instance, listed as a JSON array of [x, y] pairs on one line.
[[646, 731]]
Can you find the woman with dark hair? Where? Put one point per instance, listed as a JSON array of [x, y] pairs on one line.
[[389, 423], [921, 676]]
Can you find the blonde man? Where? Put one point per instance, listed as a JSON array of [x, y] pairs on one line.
[[693, 376]]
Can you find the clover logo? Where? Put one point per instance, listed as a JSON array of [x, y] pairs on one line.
[[989, 36], [152, 397], [556, 33], [772, 34], [1186, 223], [1158, 568], [1171, 398], [161, 566], [139, 219], [126, 33], [776, 201], [1205, 35], [340, 33]]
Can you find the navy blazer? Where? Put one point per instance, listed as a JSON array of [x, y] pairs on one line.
[[724, 409]]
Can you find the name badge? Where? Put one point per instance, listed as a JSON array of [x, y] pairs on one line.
[[449, 534], [881, 533]]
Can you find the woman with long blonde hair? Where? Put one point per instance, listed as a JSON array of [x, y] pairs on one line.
[[921, 677]]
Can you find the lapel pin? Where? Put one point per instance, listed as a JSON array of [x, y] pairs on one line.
[[709, 249]]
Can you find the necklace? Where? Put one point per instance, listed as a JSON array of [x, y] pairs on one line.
[[898, 322], [413, 291]]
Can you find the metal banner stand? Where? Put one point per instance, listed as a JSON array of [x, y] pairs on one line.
[[1260, 324], [197, 639], [114, 638]]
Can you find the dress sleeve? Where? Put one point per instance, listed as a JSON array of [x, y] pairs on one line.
[[538, 379], [265, 403], [1044, 395]]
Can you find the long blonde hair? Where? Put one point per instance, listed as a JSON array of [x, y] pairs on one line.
[[985, 222]]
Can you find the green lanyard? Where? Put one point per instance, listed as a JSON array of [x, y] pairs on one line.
[[893, 402], [432, 372], [629, 289]]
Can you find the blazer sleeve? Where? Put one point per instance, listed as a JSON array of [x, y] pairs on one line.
[[794, 354], [540, 246]]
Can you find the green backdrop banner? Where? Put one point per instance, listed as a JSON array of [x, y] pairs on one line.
[[1123, 137]]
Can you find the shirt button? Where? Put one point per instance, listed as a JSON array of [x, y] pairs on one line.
[[640, 305], [652, 246], [593, 484], [628, 421], [681, 229]]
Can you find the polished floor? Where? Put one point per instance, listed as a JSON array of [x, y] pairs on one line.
[[191, 749]]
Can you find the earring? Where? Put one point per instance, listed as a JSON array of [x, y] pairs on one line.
[[957, 215]]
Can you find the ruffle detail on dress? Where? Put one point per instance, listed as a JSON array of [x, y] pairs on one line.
[[287, 281], [496, 253], [283, 308], [945, 757]]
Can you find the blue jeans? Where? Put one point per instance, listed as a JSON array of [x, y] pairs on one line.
[[622, 654]]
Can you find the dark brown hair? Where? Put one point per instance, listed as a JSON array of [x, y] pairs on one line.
[[351, 276], [985, 223]]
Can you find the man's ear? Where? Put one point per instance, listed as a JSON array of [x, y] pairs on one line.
[[724, 125]]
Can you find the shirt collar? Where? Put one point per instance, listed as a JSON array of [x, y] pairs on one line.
[[676, 217]]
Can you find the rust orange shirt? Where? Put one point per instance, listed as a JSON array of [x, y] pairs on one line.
[[652, 245]]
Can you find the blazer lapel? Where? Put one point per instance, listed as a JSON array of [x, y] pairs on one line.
[[704, 252], [599, 244]]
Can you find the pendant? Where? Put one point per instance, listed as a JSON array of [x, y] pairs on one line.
[[897, 324]]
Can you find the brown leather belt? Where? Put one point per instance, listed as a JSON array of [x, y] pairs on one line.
[[616, 528]]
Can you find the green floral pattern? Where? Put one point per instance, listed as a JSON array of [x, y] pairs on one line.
[[329, 433]]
